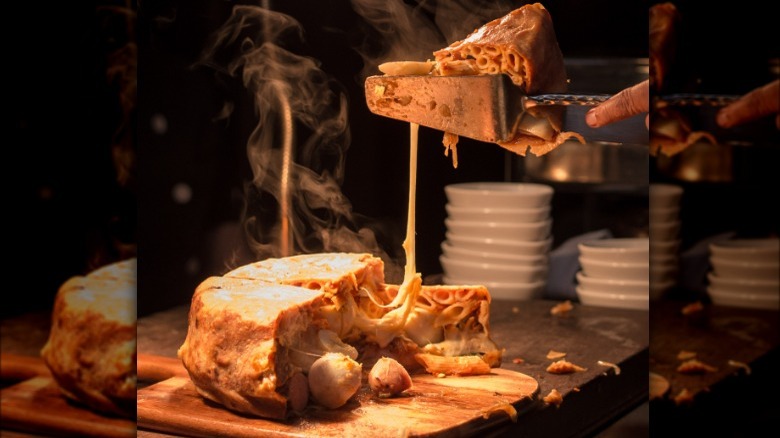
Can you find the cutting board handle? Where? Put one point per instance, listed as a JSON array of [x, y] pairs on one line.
[[14, 367], [158, 368]]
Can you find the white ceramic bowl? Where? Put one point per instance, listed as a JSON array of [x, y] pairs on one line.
[[664, 231], [746, 270], [637, 271], [514, 215], [747, 250], [670, 261], [532, 231], [505, 291], [499, 195], [455, 252], [664, 247], [606, 299], [660, 274], [664, 214], [624, 250], [665, 195], [743, 285], [611, 285], [753, 301], [500, 246], [492, 272], [659, 288]]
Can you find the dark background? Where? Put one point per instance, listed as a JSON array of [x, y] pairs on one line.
[[727, 50], [66, 213]]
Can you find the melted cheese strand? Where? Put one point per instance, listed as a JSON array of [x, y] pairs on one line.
[[392, 324], [409, 246], [412, 285], [406, 291]]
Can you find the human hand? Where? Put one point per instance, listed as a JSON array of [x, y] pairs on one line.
[[756, 104], [628, 102]]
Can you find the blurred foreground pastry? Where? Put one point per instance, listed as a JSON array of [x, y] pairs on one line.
[[91, 350]]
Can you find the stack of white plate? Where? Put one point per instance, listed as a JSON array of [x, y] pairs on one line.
[[614, 273], [745, 273], [498, 235], [664, 237]]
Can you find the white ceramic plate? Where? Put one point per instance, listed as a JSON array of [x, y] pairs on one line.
[[765, 271], [526, 232], [611, 285], [514, 215], [604, 299], [664, 247], [663, 273], [743, 285], [455, 252], [751, 301], [664, 231], [659, 288], [664, 214], [623, 250], [665, 195], [492, 272], [666, 261], [504, 291], [502, 246], [499, 195], [747, 250], [619, 271]]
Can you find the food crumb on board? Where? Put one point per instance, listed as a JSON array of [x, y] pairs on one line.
[[564, 367], [738, 364], [611, 365], [575, 389], [692, 308], [683, 397], [561, 309], [553, 398], [501, 407], [553, 355], [515, 309], [695, 366], [658, 386], [441, 375], [518, 360], [685, 355]]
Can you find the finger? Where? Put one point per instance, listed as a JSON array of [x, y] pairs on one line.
[[758, 103], [629, 102]]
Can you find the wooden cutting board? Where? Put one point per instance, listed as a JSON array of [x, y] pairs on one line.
[[36, 405], [451, 406]]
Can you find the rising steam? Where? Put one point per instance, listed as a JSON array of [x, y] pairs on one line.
[[294, 202], [297, 150]]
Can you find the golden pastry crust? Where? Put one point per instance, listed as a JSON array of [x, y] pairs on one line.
[[91, 350], [318, 272], [235, 350], [522, 45], [253, 331]]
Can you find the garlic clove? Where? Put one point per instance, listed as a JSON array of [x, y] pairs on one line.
[[388, 378]]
